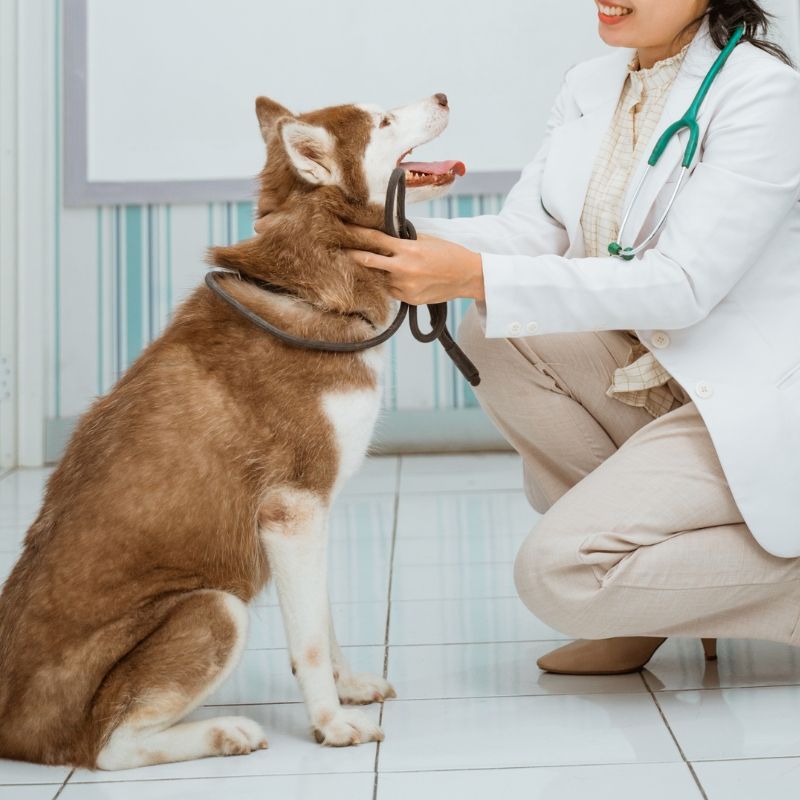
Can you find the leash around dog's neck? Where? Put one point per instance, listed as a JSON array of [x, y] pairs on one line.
[[402, 229]]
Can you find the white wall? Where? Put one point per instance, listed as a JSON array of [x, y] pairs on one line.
[[787, 24], [308, 54], [498, 61]]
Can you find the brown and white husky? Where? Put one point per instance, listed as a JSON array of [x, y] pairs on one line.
[[210, 467]]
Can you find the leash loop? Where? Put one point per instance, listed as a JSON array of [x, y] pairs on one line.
[[395, 224], [403, 229]]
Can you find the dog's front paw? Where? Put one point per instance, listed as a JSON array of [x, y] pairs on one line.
[[362, 688], [344, 727]]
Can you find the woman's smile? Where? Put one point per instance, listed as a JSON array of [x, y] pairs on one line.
[[612, 14]]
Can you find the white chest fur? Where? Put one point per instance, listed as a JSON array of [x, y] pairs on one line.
[[352, 415]]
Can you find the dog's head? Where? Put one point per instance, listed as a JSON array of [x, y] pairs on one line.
[[352, 148]]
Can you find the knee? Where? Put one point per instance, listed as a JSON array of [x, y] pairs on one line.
[[554, 584], [535, 567]]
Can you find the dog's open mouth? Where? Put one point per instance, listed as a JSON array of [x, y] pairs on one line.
[[430, 173]]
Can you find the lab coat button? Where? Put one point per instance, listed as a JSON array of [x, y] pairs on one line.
[[514, 328], [659, 339], [532, 327], [703, 389]]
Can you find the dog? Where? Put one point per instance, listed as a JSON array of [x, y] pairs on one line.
[[210, 467]]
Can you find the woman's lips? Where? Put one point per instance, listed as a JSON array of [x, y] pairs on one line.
[[612, 19]]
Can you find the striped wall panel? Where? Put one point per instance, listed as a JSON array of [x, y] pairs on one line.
[[121, 270]]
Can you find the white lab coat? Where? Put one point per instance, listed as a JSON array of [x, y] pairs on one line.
[[722, 280]]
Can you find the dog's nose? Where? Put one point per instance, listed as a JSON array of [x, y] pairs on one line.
[[441, 98]]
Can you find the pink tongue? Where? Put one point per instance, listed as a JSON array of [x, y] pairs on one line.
[[435, 167]]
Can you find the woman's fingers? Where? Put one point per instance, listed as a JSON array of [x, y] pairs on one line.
[[366, 258], [378, 241]]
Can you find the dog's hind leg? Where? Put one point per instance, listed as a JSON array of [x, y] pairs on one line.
[[356, 688], [167, 675], [294, 532]]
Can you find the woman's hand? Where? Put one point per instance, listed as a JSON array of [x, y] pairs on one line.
[[421, 271]]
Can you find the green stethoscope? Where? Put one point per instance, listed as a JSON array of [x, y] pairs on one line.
[[688, 120]]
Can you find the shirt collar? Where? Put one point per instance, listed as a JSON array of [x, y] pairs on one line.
[[660, 75]]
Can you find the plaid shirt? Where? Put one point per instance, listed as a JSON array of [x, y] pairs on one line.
[[643, 381]]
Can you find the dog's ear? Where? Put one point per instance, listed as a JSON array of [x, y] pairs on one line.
[[268, 113], [310, 149]]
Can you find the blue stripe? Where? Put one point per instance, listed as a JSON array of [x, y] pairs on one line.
[[393, 364], [244, 221], [152, 277], [465, 205], [437, 400], [118, 292], [169, 259], [100, 299], [133, 283]]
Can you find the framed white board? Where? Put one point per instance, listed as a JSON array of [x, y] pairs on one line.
[[159, 94]]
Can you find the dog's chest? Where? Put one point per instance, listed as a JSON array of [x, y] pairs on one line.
[[352, 414]]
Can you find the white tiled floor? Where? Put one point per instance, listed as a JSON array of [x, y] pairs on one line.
[[421, 577]]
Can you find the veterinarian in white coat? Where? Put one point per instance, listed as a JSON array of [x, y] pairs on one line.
[[682, 520]]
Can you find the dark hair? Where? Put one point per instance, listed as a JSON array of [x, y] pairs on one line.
[[724, 16]]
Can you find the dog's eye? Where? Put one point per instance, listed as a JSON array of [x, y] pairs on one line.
[[385, 121]]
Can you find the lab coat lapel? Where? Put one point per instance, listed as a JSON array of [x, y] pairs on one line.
[[575, 146], [699, 58]]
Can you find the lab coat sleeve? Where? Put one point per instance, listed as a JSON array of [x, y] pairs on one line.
[[522, 226], [728, 210]]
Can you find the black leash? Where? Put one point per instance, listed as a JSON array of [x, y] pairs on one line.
[[395, 206]]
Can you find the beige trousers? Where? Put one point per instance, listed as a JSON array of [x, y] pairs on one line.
[[640, 535]]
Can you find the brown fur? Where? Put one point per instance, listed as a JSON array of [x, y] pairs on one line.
[[158, 495]]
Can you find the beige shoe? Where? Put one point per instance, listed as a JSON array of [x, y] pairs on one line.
[[616, 656]]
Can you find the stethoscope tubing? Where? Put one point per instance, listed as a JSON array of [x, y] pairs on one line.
[[629, 252], [688, 120]]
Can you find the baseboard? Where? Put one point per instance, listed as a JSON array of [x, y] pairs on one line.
[[425, 431], [418, 431]]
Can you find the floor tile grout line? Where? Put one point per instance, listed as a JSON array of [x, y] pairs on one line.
[[518, 490], [178, 779], [447, 644], [664, 719], [61, 788], [519, 696], [743, 758], [460, 697], [500, 768], [395, 514], [415, 600]]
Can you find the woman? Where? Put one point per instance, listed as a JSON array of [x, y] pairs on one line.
[[655, 402]]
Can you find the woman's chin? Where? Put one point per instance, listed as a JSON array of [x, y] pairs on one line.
[[615, 38]]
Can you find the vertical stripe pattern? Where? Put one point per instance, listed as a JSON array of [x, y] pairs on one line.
[[138, 262]]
